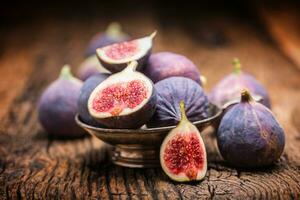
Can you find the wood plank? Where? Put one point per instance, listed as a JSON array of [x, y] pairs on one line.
[[33, 166]]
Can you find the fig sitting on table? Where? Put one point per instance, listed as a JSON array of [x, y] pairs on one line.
[[249, 135], [124, 100], [163, 65], [230, 87], [182, 153], [58, 106], [170, 92]]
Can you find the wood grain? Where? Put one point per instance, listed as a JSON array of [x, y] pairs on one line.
[[33, 166]]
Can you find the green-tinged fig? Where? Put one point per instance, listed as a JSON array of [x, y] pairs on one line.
[[230, 87], [58, 106], [170, 92], [88, 86], [167, 64], [182, 153], [89, 67], [113, 34], [116, 56], [124, 100], [249, 135]]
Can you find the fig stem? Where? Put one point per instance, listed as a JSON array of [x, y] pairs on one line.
[[182, 111], [114, 29], [246, 96], [131, 66], [65, 72], [237, 66], [153, 34]]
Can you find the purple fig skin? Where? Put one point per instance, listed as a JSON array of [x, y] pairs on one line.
[[230, 87], [249, 135], [166, 64], [114, 68], [57, 108], [170, 92], [88, 86]]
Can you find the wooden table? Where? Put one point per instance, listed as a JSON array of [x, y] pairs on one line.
[[33, 166]]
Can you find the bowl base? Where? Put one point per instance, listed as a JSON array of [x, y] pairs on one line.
[[135, 156]]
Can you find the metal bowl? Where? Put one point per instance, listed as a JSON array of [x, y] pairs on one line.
[[139, 148]]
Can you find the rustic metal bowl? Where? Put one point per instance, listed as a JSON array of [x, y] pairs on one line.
[[139, 148]]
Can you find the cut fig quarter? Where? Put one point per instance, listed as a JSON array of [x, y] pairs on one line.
[[116, 56], [183, 153], [126, 99]]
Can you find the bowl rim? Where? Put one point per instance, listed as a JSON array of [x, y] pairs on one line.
[[217, 114]]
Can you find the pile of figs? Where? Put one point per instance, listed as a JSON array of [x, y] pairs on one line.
[[126, 86]]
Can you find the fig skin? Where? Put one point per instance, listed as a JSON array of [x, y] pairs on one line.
[[182, 144], [135, 119], [170, 92], [113, 34], [57, 106], [88, 86], [89, 67], [163, 65], [249, 135], [230, 87]]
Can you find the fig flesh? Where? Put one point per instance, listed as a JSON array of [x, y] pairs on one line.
[[88, 86], [183, 153], [116, 56], [249, 135], [89, 67], [57, 106], [167, 64], [170, 92], [113, 34], [124, 100], [230, 87]]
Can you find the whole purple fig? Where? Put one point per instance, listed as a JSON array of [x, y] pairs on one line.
[[113, 34], [88, 86], [58, 106], [170, 92], [166, 64], [230, 87], [249, 135], [89, 67]]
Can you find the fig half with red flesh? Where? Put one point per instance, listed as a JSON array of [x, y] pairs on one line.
[[124, 100], [183, 153], [116, 56]]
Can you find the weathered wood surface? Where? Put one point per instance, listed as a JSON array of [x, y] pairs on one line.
[[35, 167]]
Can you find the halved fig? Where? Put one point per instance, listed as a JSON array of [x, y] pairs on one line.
[[183, 153], [116, 56], [124, 100]]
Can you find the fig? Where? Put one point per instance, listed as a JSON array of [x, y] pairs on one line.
[[182, 153], [167, 64], [57, 106], [113, 34], [230, 87], [249, 135], [126, 99], [170, 92], [116, 56], [88, 86], [89, 67]]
